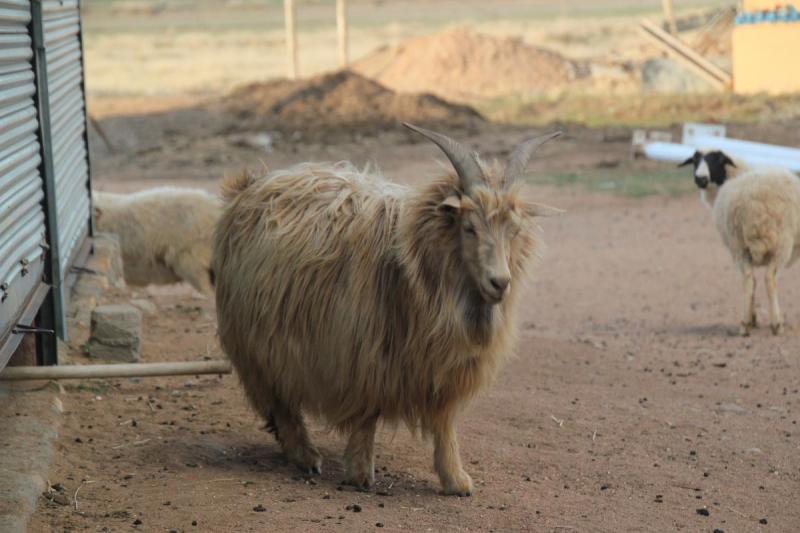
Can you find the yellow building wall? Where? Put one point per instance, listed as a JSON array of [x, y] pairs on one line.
[[765, 56]]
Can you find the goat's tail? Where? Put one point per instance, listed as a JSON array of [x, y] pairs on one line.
[[232, 185]]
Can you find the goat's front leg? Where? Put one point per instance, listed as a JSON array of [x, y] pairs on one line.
[[447, 460], [749, 319], [775, 318], [359, 456]]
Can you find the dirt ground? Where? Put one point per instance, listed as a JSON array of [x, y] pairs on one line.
[[629, 405]]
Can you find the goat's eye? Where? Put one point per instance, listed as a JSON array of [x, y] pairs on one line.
[[469, 230]]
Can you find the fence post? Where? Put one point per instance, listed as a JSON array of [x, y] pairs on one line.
[[291, 38], [341, 31], [669, 15]]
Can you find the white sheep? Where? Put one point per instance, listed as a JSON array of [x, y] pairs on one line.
[[165, 234], [757, 212]]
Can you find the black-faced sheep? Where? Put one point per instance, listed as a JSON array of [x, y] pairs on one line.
[[165, 234], [357, 300], [757, 212]]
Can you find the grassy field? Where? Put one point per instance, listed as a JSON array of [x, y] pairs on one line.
[[623, 181]]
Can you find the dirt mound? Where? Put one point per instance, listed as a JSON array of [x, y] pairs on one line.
[[342, 102], [465, 66]]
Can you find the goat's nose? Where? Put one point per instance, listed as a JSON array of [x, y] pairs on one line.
[[500, 283]]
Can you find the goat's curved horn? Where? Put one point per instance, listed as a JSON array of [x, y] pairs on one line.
[[467, 167], [519, 158]]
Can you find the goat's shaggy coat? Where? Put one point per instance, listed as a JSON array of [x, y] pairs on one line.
[[757, 213], [354, 299], [165, 234]]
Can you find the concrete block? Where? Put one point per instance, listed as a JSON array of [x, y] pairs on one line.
[[115, 333], [107, 258]]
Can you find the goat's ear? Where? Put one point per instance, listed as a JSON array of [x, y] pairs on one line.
[[451, 203], [687, 162], [540, 210]]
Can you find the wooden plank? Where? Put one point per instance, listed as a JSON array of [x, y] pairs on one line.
[[18, 373], [691, 59]]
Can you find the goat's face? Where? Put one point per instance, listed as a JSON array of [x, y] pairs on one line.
[[491, 228], [490, 217], [487, 229], [709, 167]]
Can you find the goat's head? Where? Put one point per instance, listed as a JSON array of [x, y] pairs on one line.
[[490, 220], [709, 167]]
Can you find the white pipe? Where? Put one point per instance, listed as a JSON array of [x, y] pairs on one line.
[[742, 148], [15, 373], [677, 153]]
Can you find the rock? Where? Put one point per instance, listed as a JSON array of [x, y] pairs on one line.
[[666, 76], [731, 408], [115, 333], [145, 306]]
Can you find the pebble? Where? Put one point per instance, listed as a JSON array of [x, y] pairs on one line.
[[762, 521], [259, 508], [379, 524], [137, 522], [703, 511]]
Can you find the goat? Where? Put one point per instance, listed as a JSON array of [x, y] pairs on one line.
[[354, 299]]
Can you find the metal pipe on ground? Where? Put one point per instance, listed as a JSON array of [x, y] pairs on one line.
[[132, 370]]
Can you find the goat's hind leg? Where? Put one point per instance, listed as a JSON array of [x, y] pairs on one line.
[[291, 433], [359, 455], [286, 424], [771, 280]]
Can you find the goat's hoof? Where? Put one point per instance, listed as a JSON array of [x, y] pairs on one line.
[[360, 476], [459, 484], [777, 329], [744, 330], [308, 460]]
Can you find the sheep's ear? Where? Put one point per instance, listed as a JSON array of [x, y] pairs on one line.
[[687, 162], [540, 210], [727, 160], [451, 203]]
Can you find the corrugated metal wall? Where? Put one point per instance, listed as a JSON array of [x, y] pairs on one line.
[[22, 217], [61, 22], [45, 200]]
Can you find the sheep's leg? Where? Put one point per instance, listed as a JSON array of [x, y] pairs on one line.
[[291, 432], [359, 456], [447, 460], [749, 319], [188, 267], [775, 319]]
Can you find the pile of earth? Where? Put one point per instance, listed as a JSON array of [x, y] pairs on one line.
[[465, 66], [341, 103]]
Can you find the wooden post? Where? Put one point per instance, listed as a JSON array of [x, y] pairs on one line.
[[291, 38], [669, 15], [341, 30]]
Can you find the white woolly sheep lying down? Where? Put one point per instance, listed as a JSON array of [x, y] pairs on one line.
[[165, 233], [357, 300], [757, 212]]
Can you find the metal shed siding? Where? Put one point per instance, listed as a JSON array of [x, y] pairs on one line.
[[22, 218], [61, 25]]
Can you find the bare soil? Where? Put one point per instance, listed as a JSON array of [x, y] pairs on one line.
[[463, 65], [340, 102], [629, 406]]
